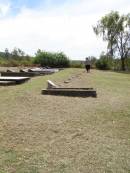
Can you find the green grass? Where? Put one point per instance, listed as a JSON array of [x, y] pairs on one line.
[[62, 134]]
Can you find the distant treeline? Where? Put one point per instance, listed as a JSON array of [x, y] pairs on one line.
[[17, 57], [106, 62]]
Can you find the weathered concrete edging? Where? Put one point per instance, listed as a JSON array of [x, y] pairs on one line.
[[17, 80], [74, 92], [20, 74]]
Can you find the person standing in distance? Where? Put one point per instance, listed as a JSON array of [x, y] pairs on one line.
[[87, 65]]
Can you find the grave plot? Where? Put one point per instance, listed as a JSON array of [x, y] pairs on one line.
[[12, 80], [43, 71], [53, 89], [29, 72], [20, 74], [7, 83]]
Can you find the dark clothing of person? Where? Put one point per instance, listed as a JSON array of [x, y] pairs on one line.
[[87, 67]]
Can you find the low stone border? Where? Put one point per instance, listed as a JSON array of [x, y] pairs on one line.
[[20, 74], [75, 92], [17, 80]]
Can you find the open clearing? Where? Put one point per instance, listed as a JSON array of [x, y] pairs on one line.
[[56, 134]]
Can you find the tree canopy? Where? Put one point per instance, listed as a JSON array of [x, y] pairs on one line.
[[115, 29], [51, 59]]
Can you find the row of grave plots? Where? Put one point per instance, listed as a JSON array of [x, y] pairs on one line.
[[11, 77]]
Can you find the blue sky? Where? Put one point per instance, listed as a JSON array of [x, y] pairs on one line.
[[16, 5], [28, 3], [55, 25], [33, 3]]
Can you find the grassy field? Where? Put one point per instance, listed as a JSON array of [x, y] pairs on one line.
[[51, 134]]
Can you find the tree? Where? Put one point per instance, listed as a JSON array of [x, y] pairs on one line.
[[123, 38], [20, 52], [115, 29], [14, 53], [17, 53], [104, 62], [7, 54], [38, 52]]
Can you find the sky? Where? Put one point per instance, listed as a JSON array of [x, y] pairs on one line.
[[55, 25]]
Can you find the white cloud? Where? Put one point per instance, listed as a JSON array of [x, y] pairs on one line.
[[65, 28], [4, 9]]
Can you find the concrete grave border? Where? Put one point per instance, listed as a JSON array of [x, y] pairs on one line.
[[73, 92], [9, 79]]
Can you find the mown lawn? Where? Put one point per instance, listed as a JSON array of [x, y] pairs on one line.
[[51, 134]]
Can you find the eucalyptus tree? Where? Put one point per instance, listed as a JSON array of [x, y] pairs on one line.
[[123, 38], [115, 29]]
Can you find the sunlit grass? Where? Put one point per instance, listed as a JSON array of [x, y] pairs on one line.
[[62, 134]]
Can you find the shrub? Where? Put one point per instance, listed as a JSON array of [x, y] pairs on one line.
[[51, 59], [104, 63], [76, 64], [128, 63]]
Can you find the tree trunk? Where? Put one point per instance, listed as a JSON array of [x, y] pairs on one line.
[[123, 63], [111, 51]]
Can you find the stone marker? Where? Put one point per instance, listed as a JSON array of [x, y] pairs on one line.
[[51, 85], [69, 78], [9, 70], [66, 81], [23, 70]]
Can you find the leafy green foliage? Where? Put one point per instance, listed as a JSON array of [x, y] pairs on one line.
[[105, 62], [51, 59], [115, 29], [76, 64], [102, 64], [15, 58], [128, 63], [106, 29]]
